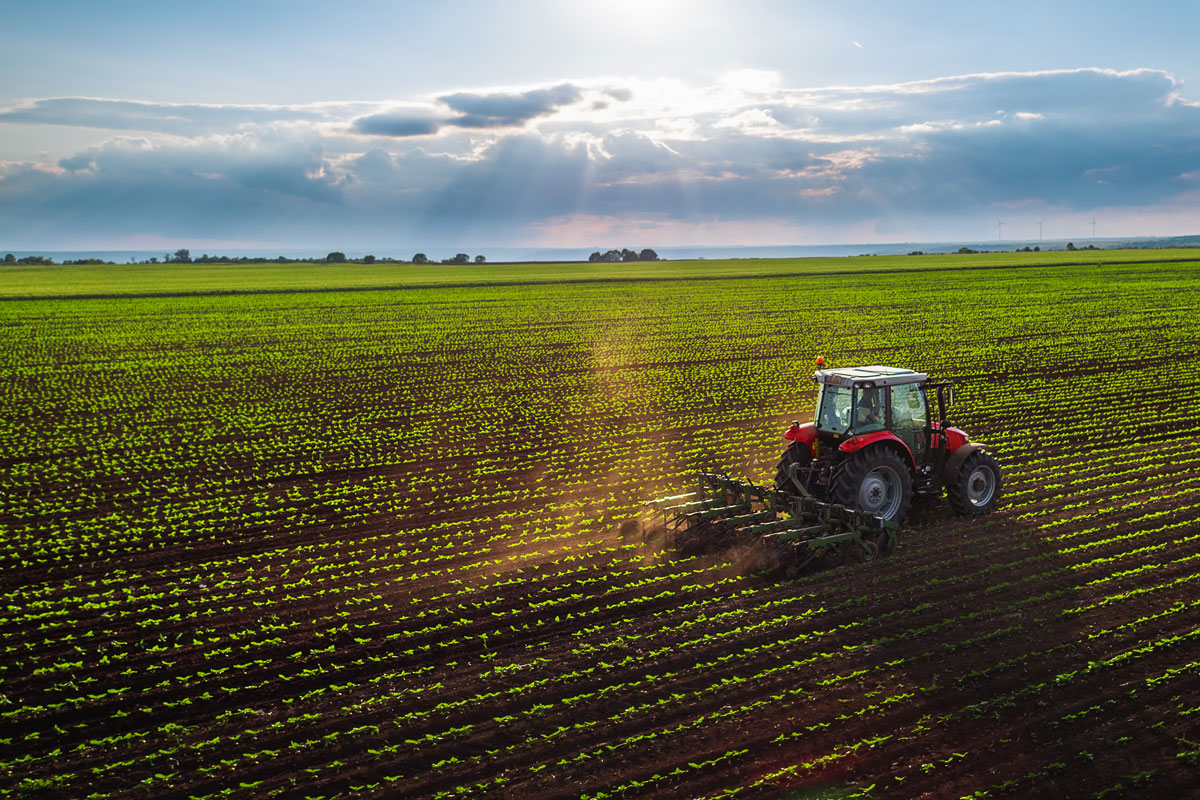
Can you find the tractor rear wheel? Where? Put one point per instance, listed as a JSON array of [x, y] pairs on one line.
[[877, 481], [975, 489], [797, 453]]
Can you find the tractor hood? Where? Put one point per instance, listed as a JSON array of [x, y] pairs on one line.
[[801, 432]]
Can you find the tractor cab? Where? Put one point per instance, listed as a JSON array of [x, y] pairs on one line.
[[878, 436], [856, 402]]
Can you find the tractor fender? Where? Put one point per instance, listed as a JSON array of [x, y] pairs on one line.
[[957, 459], [856, 443], [802, 434]]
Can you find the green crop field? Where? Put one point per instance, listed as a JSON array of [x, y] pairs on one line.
[[356, 531]]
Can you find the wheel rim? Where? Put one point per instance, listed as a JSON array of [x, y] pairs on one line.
[[981, 486], [879, 492]]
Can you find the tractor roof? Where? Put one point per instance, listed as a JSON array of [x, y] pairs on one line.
[[876, 376]]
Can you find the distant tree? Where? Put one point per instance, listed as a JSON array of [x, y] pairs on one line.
[[629, 255], [1070, 245], [480, 259], [965, 250], [368, 259], [647, 255], [182, 256], [612, 256], [335, 258], [596, 256], [10, 259], [459, 258], [153, 260], [1037, 249], [917, 253], [420, 258]]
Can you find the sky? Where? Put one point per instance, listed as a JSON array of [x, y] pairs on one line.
[[593, 123]]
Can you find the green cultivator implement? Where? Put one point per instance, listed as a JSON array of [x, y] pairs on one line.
[[879, 437], [786, 531]]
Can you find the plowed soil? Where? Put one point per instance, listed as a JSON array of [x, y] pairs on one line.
[[409, 576]]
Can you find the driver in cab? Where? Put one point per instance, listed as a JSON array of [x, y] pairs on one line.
[[869, 411]]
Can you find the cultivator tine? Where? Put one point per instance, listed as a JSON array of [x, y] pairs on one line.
[[789, 530]]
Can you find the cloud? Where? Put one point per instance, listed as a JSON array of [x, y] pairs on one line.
[[744, 156], [397, 124], [478, 110], [175, 118], [497, 110]]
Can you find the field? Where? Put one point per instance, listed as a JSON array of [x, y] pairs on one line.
[[348, 531]]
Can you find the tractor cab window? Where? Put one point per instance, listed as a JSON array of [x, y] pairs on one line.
[[833, 408], [870, 412], [909, 417]]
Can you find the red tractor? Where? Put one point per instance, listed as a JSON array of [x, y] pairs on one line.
[[876, 440], [848, 478]]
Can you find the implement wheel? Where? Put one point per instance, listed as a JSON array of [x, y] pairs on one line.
[[869, 551], [976, 488], [885, 545], [877, 481]]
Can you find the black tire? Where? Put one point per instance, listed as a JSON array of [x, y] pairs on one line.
[[797, 453], [870, 551], [876, 480], [975, 488]]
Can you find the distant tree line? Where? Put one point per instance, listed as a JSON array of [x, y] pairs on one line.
[[43, 261], [460, 258], [184, 256], [613, 256], [967, 251]]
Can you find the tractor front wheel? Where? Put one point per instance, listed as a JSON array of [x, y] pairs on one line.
[[975, 489], [877, 481], [798, 453]]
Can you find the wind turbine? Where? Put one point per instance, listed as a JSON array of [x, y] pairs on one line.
[[999, 231], [1039, 222], [1093, 228]]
